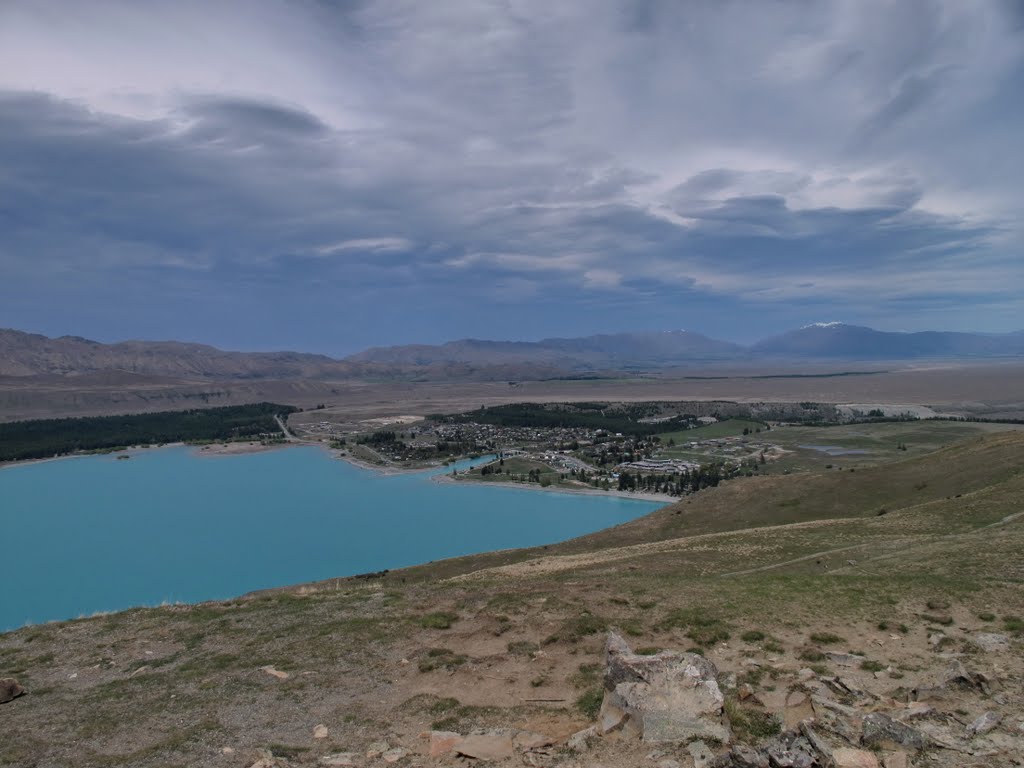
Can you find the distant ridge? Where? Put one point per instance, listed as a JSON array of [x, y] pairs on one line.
[[614, 350], [854, 342], [26, 354]]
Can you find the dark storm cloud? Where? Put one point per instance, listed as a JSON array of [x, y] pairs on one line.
[[551, 158]]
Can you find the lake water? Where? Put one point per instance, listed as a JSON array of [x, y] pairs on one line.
[[91, 534]]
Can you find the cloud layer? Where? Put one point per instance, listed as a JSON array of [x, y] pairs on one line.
[[330, 176]]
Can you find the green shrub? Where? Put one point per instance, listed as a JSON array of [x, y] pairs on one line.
[[589, 704], [751, 725], [438, 620], [825, 638], [523, 648], [441, 658], [752, 636], [572, 630], [703, 629]]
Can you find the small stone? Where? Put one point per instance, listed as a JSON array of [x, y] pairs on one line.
[[895, 760], [9, 689], [916, 709], [853, 758], [983, 724], [580, 740], [339, 759], [227, 750], [487, 746], [669, 763], [394, 755], [846, 659], [743, 756], [701, 754], [266, 760], [320, 732], [275, 673], [806, 674], [443, 742], [376, 749]]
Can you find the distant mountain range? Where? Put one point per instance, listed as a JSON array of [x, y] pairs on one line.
[[829, 341], [25, 354]]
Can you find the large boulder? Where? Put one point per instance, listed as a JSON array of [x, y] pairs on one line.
[[666, 697], [9, 689]]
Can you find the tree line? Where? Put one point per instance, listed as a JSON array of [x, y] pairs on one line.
[[595, 416], [44, 438]]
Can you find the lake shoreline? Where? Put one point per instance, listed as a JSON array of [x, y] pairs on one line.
[[656, 497]]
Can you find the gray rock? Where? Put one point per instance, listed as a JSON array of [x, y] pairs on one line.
[[819, 745], [791, 753], [376, 749], [701, 754], [580, 740], [846, 659], [339, 759], [882, 731], [742, 756], [984, 724], [9, 689], [990, 641], [958, 676], [666, 697]]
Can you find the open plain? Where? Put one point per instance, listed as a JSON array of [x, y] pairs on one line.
[[985, 389]]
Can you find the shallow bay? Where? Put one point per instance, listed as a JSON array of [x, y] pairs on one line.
[[96, 533]]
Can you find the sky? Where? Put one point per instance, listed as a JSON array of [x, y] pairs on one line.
[[327, 176]]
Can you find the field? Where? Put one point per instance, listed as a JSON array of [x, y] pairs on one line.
[[984, 389], [727, 428], [903, 562]]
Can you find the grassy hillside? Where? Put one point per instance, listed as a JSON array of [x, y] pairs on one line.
[[758, 573]]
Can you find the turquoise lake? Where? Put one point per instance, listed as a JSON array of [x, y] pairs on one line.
[[90, 534]]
